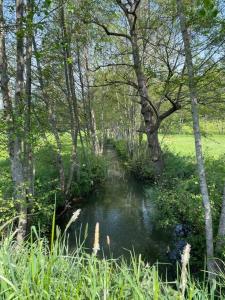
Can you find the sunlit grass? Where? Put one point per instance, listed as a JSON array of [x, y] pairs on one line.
[[213, 145]]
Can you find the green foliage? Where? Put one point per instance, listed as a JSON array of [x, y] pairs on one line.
[[178, 199], [91, 171], [121, 148], [177, 194]]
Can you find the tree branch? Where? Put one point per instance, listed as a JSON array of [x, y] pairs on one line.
[[110, 65], [124, 35], [131, 83]]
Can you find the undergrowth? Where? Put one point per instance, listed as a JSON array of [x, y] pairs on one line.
[[177, 196]]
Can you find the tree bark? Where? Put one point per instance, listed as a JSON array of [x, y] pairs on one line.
[[197, 135], [71, 97], [18, 169], [91, 113], [7, 101], [28, 154], [151, 128], [52, 121]]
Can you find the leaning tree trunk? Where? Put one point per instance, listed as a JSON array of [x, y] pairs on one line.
[[197, 135], [146, 110]]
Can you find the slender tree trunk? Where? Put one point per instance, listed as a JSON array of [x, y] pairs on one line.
[[13, 147], [197, 135], [72, 99], [91, 113], [18, 170], [52, 121], [84, 98], [28, 154], [7, 101]]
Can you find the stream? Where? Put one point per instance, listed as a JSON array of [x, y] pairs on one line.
[[124, 214]]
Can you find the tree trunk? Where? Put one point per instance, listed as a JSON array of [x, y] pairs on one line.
[[28, 154], [7, 101], [52, 121], [84, 98], [156, 152], [72, 100], [146, 110], [14, 144], [18, 170], [197, 135]]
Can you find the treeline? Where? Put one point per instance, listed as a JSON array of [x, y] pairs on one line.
[[92, 70]]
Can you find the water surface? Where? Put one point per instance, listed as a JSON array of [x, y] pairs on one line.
[[124, 214]]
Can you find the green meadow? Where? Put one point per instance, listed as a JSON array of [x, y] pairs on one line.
[[213, 145]]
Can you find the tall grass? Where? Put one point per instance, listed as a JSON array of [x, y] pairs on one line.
[[42, 271]]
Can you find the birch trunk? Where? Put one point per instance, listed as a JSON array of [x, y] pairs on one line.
[[28, 154], [197, 135], [91, 113], [18, 170]]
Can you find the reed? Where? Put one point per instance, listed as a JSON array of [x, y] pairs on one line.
[[185, 257], [96, 246], [43, 271]]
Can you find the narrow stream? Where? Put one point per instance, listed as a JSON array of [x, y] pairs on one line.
[[124, 214]]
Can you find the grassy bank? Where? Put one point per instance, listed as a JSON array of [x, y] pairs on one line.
[[41, 271], [177, 194]]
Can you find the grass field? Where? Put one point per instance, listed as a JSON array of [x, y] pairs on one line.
[[213, 145]]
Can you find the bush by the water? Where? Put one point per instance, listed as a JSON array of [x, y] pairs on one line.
[[177, 194]]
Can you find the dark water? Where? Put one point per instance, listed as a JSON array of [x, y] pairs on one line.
[[124, 214]]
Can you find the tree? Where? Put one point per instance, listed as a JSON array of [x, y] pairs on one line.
[[132, 27], [198, 147]]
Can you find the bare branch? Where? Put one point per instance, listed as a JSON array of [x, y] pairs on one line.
[[130, 83], [120, 34], [110, 65], [167, 113]]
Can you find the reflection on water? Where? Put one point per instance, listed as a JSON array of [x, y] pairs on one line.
[[124, 214]]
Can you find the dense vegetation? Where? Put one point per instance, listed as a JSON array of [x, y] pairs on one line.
[[144, 76], [180, 178]]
